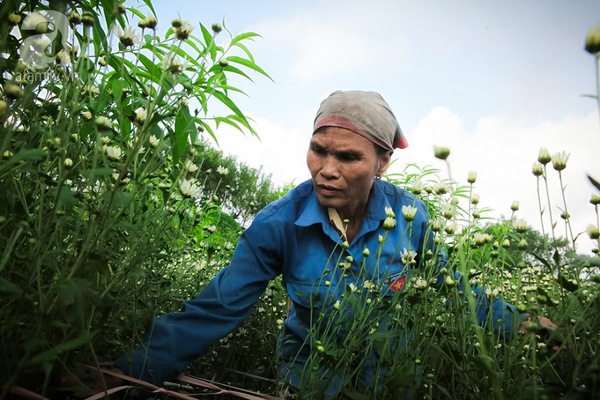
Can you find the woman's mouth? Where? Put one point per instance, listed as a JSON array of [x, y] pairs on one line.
[[327, 191]]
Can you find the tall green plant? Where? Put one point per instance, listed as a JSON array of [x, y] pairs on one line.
[[98, 123]]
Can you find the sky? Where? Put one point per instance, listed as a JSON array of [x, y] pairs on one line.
[[492, 80]]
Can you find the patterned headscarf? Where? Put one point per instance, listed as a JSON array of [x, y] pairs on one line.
[[365, 113]]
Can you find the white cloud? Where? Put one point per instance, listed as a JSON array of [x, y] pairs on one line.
[[503, 152], [280, 151], [316, 47]]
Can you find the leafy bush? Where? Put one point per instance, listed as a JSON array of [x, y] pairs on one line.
[[102, 201], [114, 209]]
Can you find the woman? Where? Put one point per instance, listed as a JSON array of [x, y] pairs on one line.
[[322, 238]]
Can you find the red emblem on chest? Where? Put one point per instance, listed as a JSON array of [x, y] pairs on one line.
[[398, 284]]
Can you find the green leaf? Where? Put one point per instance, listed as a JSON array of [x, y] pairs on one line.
[[243, 36], [223, 98], [122, 199], [136, 12], [184, 128], [228, 121], [55, 351], [117, 87], [594, 182], [95, 172], [9, 290], [249, 64], [544, 298], [566, 283], [209, 42], [150, 6], [24, 155], [207, 128], [151, 67], [66, 197]]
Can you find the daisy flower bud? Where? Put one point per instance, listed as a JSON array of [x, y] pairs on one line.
[[409, 213], [441, 153], [189, 188], [74, 18], [595, 200], [593, 232], [449, 281], [472, 177], [522, 245], [537, 169], [140, 116], [102, 122], [417, 187], [14, 19], [13, 91], [481, 238], [127, 37], [184, 30], [87, 19], [68, 162], [114, 153], [514, 206], [148, 22], [559, 160], [389, 223], [440, 188], [475, 199], [592, 40], [447, 210], [36, 21], [421, 284], [544, 156], [520, 225], [217, 28], [223, 171], [451, 228], [437, 225]]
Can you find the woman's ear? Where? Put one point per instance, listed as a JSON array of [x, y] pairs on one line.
[[384, 162]]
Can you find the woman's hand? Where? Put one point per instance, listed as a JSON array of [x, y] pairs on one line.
[[546, 329]]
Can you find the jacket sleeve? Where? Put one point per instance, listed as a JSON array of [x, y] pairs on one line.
[[491, 312], [177, 339]]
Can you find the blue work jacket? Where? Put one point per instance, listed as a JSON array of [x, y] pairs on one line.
[[292, 237]]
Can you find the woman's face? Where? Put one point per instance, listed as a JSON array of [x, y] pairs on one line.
[[343, 165]]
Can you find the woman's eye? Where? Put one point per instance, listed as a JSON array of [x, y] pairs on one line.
[[318, 151], [348, 157]]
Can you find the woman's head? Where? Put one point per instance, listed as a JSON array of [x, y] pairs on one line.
[[364, 113], [343, 165], [353, 140]]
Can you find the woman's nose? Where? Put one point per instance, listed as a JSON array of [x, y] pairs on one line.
[[329, 168]]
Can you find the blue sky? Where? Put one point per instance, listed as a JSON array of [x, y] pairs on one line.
[[492, 80]]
